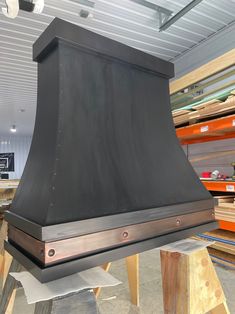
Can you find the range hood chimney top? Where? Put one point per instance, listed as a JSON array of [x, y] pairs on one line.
[[60, 30]]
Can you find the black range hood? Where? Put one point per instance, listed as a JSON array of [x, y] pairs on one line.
[[106, 176]]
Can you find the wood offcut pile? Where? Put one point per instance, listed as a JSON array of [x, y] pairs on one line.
[[222, 248], [203, 110], [7, 192], [225, 210]]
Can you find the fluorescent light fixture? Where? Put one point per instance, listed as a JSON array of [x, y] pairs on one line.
[[13, 128]]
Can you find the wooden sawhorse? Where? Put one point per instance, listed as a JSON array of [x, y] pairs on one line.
[[10, 286], [132, 264], [189, 281], [190, 286]]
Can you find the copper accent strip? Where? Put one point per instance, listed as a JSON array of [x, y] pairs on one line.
[[57, 251]]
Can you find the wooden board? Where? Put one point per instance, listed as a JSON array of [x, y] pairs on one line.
[[225, 211], [229, 258], [224, 199], [180, 112], [132, 263], [229, 206], [218, 237], [8, 189], [224, 216], [203, 72], [9, 184], [206, 104], [223, 234], [218, 108], [205, 110], [179, 120]]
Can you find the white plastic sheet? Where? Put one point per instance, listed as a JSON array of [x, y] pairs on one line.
[[186, 246], [36, 291]]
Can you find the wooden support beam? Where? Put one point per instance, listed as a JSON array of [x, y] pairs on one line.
[[220, 309], [215, 66], [5, 257], [105, 267], [9, 290], [190, 284], [132, 263]]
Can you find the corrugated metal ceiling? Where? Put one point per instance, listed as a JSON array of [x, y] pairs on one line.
[[122, 20]]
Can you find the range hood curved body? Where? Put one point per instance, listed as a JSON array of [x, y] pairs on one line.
[[106, 176]]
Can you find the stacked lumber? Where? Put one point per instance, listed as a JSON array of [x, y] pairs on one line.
[[9, 184], [4, 205], [225, 210], [222, 248], [205, 110], [224, 199], [7, 192], [217, 108], [195, 113], [181, 116]]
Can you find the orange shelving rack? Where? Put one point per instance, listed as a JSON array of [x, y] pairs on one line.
[[216, 129], [212, 130], [220, 186]]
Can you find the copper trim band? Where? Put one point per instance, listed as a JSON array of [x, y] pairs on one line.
[[49, 253]]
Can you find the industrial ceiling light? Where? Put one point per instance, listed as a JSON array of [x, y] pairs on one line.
[[13, 128]]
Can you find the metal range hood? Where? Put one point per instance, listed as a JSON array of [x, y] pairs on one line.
[[106, 176]]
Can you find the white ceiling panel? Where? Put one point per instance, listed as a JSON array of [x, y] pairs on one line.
[[121, 20]]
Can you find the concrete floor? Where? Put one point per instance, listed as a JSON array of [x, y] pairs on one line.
[[115, 300]]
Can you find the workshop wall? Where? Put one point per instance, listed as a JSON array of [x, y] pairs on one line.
[[210, 156], [20, 146]]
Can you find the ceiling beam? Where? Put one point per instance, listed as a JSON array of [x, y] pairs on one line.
[[178, 15]]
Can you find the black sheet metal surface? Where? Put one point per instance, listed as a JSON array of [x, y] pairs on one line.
[[104, 157], [104, 141]]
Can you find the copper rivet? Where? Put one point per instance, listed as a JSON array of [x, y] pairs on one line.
[[178, 222], [125, 234], [51, 252]]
